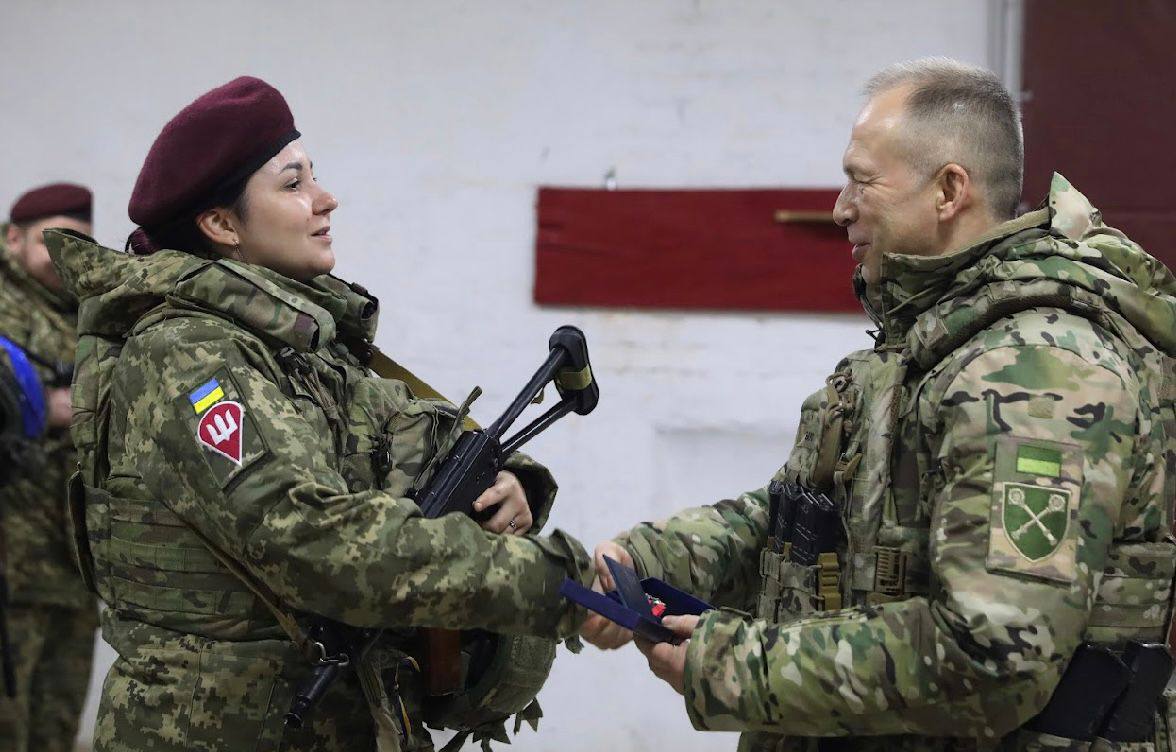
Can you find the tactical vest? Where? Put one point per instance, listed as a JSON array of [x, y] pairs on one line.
[[152, 568], [845, 448]]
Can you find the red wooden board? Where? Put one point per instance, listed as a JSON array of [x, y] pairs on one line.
[[690, 249]]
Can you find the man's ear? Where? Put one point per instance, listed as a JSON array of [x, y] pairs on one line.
[[13, 237], [954, 191], [218, 226]]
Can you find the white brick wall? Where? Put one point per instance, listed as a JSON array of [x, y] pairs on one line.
[[433, 123]]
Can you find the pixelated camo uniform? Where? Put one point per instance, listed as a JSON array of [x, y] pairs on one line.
[[1004, 464], [53, 617], [240, 421]]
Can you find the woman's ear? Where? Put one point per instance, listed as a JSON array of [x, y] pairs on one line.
[[217, 224]]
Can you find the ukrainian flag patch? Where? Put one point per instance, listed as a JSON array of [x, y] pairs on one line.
[[206, 395]]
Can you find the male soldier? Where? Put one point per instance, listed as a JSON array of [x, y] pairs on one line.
[[51, 616], [986, 490]]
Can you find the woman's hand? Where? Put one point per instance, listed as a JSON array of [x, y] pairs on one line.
[[614, 551], [514, 513], [596, 629]]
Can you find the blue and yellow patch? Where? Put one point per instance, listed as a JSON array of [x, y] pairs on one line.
[[206, 395], [235, 445]]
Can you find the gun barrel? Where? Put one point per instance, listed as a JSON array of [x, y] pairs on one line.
[[310, 692]]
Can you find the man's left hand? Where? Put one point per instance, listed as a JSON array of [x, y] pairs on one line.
[[666, 661], [514, 513]]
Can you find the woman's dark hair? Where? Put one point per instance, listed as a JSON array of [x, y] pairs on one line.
[[183, 234]]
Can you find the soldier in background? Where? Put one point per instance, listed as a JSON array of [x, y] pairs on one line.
[[970, 505], [50, 615]]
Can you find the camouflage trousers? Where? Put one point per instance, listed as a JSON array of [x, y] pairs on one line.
[[54, 649]]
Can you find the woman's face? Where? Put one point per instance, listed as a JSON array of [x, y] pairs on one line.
[[286, 222]]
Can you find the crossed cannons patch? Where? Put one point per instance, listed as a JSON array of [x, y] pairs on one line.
[[1034, 509], [1035, 519]]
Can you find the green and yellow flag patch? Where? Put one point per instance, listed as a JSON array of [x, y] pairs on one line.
[[1037, 460]]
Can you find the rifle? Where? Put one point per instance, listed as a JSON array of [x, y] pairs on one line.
[[469, 468], [472, 464]]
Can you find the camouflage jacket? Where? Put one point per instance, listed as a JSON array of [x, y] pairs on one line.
[[230, 422], [1003, 462], [40, 567]]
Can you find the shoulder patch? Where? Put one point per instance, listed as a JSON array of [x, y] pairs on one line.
[[1033, 528], [223, 427]]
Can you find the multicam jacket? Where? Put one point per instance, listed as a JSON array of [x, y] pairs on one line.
[[40, 567], [230, 422], [1004, 462]]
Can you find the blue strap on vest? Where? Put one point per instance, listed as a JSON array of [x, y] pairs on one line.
[[32, 397]]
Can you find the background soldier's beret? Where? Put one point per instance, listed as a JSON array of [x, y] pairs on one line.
[[51, 201], [222, 137]]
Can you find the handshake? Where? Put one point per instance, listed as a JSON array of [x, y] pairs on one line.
[[667, 659]]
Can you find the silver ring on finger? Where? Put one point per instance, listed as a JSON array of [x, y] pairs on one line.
[[512, 523]]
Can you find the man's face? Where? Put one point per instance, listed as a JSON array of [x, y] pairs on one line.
[[27, 245], [886, 206]]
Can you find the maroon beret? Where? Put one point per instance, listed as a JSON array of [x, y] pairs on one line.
[[51, 201], [222, 137]]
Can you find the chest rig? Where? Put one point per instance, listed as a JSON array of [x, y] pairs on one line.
[[820, 493], [859, 443]]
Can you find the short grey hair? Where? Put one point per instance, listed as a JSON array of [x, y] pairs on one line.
[[961, 113]]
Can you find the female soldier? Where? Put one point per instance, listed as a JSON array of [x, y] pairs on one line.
[[243, 472]]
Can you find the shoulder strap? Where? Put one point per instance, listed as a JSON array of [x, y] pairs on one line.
[[390, 369]]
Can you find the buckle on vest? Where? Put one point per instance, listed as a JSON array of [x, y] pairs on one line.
[[765, 562], [829, 581], [889, 571]]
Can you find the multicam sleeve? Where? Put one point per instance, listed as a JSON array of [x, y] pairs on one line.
[[240, 461], [711, 552], [1037, 453], [539, 485]]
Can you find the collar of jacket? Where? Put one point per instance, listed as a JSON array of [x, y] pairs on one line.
[[304, 315], [117, 290], [909, 285]]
